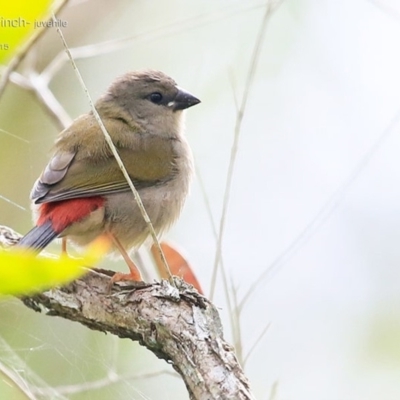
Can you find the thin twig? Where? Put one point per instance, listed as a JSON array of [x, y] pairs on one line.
[[18, 382], [274, 391], [49, 101], [237, 328], [389, 11], [215, 234], [163, 31], [14, 136], [255, 344], [13, 203], [117, 157], [20, 80], [238, 125], [110, 379]]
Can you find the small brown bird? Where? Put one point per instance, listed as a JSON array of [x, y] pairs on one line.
[[82, 193]]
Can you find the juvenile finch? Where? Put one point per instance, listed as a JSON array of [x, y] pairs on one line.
[[82, 193]]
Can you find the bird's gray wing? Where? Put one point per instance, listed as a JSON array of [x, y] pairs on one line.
[[67, 177]]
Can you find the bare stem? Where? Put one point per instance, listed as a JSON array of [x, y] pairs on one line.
[[238, 126], [117, 157]]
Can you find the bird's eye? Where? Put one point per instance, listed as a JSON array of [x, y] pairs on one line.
[[156, 98]]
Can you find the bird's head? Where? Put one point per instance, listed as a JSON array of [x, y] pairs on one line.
[[151, 98]]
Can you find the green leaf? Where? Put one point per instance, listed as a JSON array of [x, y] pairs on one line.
[[22, 272], [17, 23]]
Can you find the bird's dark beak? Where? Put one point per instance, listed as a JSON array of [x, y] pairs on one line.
[[183, 100]]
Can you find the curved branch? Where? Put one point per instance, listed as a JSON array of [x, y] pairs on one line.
[[175, 323]]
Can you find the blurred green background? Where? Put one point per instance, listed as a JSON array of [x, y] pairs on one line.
[[314, 201]]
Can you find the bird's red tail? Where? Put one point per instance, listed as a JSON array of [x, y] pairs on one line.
[[55, 217]]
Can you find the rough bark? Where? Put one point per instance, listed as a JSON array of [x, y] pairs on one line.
[[175, 323]]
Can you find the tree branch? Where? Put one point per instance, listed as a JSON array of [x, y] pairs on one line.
[[176, 324]]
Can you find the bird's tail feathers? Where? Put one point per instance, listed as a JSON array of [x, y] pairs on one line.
[[38, 237]]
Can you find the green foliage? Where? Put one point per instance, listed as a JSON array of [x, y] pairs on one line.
[[18, 22], [25, 273]]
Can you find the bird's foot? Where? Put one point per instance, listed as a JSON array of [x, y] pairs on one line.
[[134, 279]]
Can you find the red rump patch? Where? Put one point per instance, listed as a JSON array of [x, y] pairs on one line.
[[65, 212]]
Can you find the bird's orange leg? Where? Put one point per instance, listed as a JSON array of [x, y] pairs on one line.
[[64, 247], [134, 274]]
